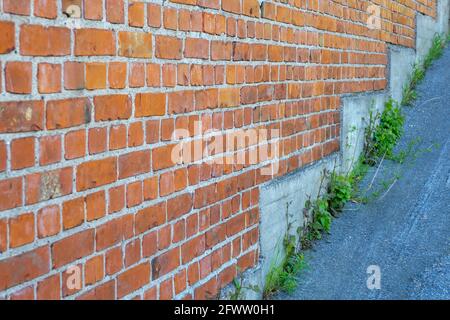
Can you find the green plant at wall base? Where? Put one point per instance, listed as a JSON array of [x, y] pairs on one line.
[[418, 73], [284, 276], [340, 191], [381, 138]]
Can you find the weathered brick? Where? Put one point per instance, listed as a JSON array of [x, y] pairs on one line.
[[72, 248]]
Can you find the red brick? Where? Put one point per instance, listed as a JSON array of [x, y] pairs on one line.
[[150, 217], [36, 40], [23, 294], [3, 156], [93, 9], [178, 206], [133, 279], [7, 37], [113, 232], [135, 44], [49, 78], [132, 252], [93, 270], [95, 206], [134, 163], [113, 260], [49, 150], [22, 153], [105, 291], [21, 7], [150, 104], [10, 193], [68, 113], [48, 221], [49, 288], [22, 116], [165, 263], [18, 77], [115, 11], [192, 249], [3, 235], [96, 173], [21, 230], [73, 213], [168, 47], [72, 248], [116, 199], [134, 194], [154, 15], [94, 42], [24, 267], [48, 185], [112, 107], [74, 75], [117, 75], [97, 140], [75, 144]]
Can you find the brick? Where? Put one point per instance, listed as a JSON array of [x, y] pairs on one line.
[[113, 260], [36, 40], [168, 47], [117, 75], [117, 137], [49, 288], [133, 279], [75, 144], [24, 267], [94, 42], [134, 194], [3, 235], [97, 140], [207, 291], [93, 270], [116, 199], [21, 7], [95, 206], [93, 10], [23, 294], [68, 113], [48, 185], [18, 77], [3, 156], [105, 291], [136, 14], [150, 217], [135, 44], [72, 248], [49, 78], [95, 76], [74, 75], [21, 230], [96, 173], [192, 249], [22, 153], [48, 221], [49, 150], [7, 37], [196, 48], [133, 164], [165, 263], [10, 193], [161, 157], [115, 11], [112, 107], [135, 134], [113, 232], [150, 104], [181, 102], [154, 15], [73, 213], [178, 206]]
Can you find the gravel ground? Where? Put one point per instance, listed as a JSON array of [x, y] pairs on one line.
[[406, 232]]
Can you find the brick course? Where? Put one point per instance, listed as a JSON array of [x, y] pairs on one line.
[[87, 110]]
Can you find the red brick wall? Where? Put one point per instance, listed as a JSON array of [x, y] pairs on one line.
[[87, 110]]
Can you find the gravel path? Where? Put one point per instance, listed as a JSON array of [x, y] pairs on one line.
[[406, 232]]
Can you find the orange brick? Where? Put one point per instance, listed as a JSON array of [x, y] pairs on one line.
[[49, 150], [49, 78], [95, 76], [48, 221], [95, 206], [18, 77], [94, 42], [10, 193], [22, 153], [7, 37], [38, 40], [96, 173], [21, 230], [73, 213], [135, 44]]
